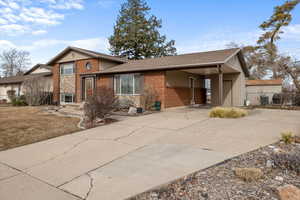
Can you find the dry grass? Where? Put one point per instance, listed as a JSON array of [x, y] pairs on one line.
[[26, 125], [223, 112]]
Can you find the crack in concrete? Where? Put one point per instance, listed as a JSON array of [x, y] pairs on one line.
[[128, 135], [90, 187], [105, 164], [59, 155]]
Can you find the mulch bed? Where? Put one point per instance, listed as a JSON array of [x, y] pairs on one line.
[[220, 182]]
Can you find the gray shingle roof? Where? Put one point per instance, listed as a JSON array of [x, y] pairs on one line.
[[20, 79], [202, 59]]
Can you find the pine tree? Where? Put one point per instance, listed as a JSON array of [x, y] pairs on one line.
[[136, 33]]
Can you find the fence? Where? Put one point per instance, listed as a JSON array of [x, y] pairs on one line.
[[283, 99]]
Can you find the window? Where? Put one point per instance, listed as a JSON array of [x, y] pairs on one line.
[[67, 98], [127, 84], [67, 69], [88, 66]]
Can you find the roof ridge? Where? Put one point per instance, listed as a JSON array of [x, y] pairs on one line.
[[186, 54]]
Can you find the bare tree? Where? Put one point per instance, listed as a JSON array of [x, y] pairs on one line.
[[36, 90], [13, 62], [100, 104], [255, 60]]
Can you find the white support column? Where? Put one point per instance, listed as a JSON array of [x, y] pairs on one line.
[[220, 72]]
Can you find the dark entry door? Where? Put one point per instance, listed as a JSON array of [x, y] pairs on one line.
[[88, 87]]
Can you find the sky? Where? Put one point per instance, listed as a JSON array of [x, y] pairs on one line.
[[46, 27]]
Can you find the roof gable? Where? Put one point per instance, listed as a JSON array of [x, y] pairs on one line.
[[87, 53]]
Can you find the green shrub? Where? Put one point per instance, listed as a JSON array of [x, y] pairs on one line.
[[19, 101], [223, 112], [287, 137]]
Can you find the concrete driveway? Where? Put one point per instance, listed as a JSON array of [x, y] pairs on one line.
[[136, 154]]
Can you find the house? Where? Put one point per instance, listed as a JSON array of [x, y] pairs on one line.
[[177, 80], [15, 83], [257, 88]]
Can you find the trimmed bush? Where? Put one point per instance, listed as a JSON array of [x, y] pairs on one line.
[[227, 112]]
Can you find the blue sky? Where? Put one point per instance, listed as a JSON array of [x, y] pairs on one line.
[[45, 27]]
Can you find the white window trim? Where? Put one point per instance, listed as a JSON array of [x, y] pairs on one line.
[[121, 94]]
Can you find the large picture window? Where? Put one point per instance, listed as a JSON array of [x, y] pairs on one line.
[[127, 84], [67, 68]]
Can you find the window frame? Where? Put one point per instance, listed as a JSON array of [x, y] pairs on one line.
[[133, 84], [62, 70], [62, 98]]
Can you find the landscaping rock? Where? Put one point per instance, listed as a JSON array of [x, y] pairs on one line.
[[132, 111], [249, 174], [279, 178], [289, 192]]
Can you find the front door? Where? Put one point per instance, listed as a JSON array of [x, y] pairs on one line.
[[88, 87], [227, 93]]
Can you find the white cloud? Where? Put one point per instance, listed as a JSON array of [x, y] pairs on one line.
[[3, 21], [40, 16], [13, 29], [35, 14], [5, 44], [292, 32], [39, 32], [13, 5], [217, 40], [67, 4], [106, 3]]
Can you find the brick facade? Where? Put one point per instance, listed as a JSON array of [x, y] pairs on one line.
[[180, 96], [56, 83], [157, 80], [169, 96], [81, 69]]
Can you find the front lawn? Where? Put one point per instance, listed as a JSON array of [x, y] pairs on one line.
[[26, 125]]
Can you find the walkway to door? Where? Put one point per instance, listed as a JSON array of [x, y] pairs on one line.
[[136, 154]]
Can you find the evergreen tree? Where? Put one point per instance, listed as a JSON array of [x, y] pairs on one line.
[[136, 33]]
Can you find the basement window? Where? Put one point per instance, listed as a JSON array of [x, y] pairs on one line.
[[67, 98], [127, 84]]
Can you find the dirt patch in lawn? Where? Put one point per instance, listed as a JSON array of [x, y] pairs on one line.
[[26, 125]]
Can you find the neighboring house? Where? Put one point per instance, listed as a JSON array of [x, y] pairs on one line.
[[257, 88], [178, 80], [16, 82]]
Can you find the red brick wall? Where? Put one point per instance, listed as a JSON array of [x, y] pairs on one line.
[[105, 81], [157, 80], [181, 96], [81, 69], [56, 82]]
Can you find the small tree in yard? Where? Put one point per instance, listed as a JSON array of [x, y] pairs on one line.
[[99, 105], [36, 90]]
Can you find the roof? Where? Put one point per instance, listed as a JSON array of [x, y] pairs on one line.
[[86, 52], [36, 67], [264, 82], [20, 79], [202, 59]]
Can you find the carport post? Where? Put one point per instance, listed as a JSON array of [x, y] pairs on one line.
[[220, 71]]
